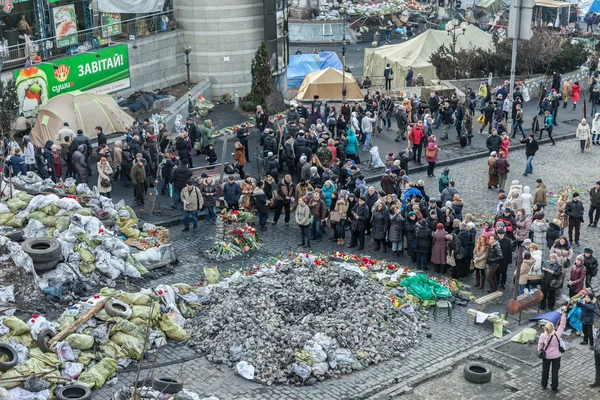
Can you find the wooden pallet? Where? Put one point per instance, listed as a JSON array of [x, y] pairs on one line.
[[487, 298]]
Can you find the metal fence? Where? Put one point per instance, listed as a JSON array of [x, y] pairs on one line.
[[12, 57]]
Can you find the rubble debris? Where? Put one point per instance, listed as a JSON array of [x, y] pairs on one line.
[[304, 323]]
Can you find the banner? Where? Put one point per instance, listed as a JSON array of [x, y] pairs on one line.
[[102, 71], [131, 6], [111, 24], [65, 25]]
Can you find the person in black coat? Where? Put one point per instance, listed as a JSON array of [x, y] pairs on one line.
[[167, 170], [424, 243], [242, 135], [380, 224], [358, 223], [461, 251], [262, 204], [506, 247]]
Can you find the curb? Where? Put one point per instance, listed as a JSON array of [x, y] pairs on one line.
[[481, 154]]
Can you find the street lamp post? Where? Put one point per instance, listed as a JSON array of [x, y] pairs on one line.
[[344, 59], [187, 49], [454, 33]]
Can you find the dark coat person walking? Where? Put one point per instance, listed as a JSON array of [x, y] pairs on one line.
[[79, 162], [138, 178], [439, 249], [506, 247], [423, 236]]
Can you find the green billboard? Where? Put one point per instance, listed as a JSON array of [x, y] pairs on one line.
[[103, 71]]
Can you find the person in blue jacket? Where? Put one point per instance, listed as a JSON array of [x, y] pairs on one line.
[[413, 191], [351, 145], [587, 304], [17, 163]]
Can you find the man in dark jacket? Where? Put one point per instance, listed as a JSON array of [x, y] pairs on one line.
[[402, 121], [231, 193], [387, 182], [531, 147], [594, 205], [591, 266], [493, 142], [138, 177], [434, 105], [574, 211], [17, 163], [193, 132], [506, 247], [358, 223], [78, 141], [302, 111], [101, 137], [49, 157], [179, 177], [495, 257], [488, 114], [270, 143], [262, 204], [242, 135], [283, 198]]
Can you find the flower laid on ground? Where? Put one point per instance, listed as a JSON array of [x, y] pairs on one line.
[[236, 216], [246, 238]]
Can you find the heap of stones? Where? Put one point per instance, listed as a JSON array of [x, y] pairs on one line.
[[304, 324]]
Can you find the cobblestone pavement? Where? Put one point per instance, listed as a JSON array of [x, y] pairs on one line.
[[450, 342]]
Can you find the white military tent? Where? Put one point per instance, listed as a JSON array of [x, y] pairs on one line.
[[417, 52]]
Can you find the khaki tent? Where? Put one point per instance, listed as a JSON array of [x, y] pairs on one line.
[[417, 52], [327, 84], [83, 111]]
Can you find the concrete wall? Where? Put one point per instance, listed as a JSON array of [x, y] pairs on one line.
[[224, 35], [157, 62], [203, 88]]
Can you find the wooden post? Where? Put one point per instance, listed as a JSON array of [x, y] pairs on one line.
[[223, 155], [80, 321]]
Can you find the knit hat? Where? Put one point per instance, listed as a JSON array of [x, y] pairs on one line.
[[204, 175], [471, 225], [500, 232], [588, 250], [391, 154], [363, 198], [189, 182], [590, 295], [597, 183], [527, 241], [303, 159], [439, 226], [411, 214], [499, 223], [103, 159], [579, 257], [396, 163], [575, 194], [423, 223]]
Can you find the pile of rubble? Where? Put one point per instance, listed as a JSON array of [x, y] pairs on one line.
[[302, 322]]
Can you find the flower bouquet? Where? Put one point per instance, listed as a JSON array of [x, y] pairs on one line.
[[223, 251], [246, 238], [236, 216]]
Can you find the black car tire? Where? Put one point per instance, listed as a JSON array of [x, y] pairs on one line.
[[73, 392], [43, 337], [477, 373], [13, 357], [116, 308], [42, 250], [167, 385]]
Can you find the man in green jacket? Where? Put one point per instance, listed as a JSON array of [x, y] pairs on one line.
[[443, 180], [207, 134]]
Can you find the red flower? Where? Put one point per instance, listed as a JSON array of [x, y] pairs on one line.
[[35, 315], [97, 296], [160, 292]]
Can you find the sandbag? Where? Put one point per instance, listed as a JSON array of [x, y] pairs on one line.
[[172, 330], [131, 347], [85, 357], [134, 299], [15, 372], [87, 212], [4, 218], [50, 221], [128, 328], [95, 377], [16, 222], [15, 205], [144, 312], [212, 275], [62, 223], [132, 214], [127, 228], [16, 326], [25, 197], [112, 350], [80, 341], [37, 215]]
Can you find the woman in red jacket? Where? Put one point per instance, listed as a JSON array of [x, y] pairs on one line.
[[575, 92], [418, 134]]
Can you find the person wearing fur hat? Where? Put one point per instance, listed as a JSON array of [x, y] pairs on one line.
[[587, 305], [591, 266]]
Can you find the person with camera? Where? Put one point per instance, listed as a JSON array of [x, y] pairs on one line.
[[550, 349]]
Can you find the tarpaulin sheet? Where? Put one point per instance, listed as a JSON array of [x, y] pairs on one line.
[[330, 59], [300, 66], [130, 6]]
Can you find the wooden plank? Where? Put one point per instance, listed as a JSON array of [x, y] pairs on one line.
[[472, 312], [489, 297], [78, 322]]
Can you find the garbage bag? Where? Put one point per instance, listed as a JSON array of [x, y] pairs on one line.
[[128, 228], [323, 340], [144, 312], [172, 330], [85, 357], [62, 223], [5, 217], [156, 255], [425, 288], [68, 204], [80, 341], [100, 334], [112, 350], [245, 369], [64, 351], [37, 215], [22, 394], [131, 347], [572, 319], [95, 377], [115, 247], [71, 370], [316, 351], [16, 326], [212, 275], [7, 294], [50, 221], [22, 351], [302, 370], [4, 208], [344, 357], [320, 368], [34, 229], [36, 384]]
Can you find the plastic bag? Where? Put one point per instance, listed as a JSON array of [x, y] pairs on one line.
[[525, 336], [34, 229], [80, 341], [7, 294], [157, 255], [71, 370], [316, 351], [302, 370], [319, 369], [95, 377], [246, 370], [344, 357], [100, 334], [68, 204], [425, 288], [64, 351], [323, 340], [22, 394], [375, 158], [22, 351], [37, 324], [573, 318], [22, 259]]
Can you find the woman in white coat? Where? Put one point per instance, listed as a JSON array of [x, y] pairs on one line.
[[583, 133], [104, 181]]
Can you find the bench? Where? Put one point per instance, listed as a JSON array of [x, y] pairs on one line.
[[213, 171], [489, 297]]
